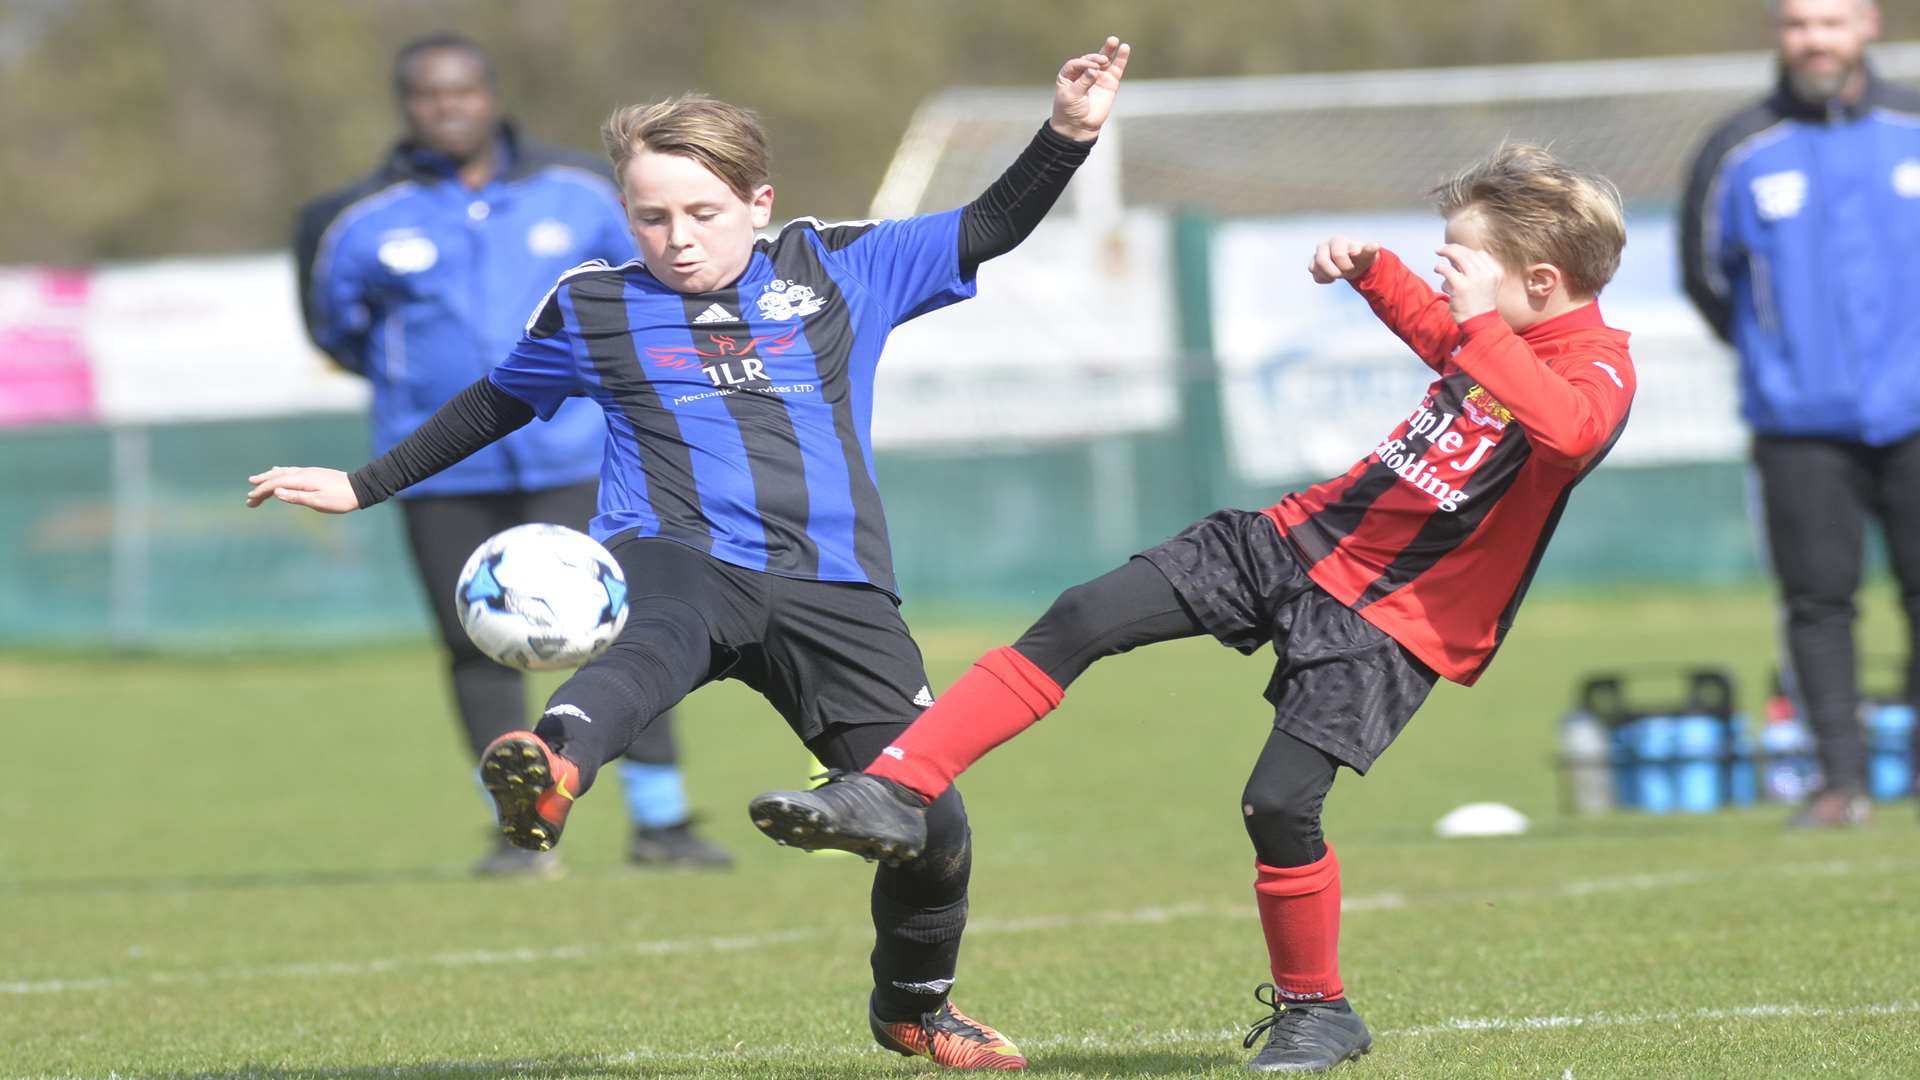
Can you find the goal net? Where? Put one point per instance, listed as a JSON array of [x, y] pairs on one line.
[[1351, 141]]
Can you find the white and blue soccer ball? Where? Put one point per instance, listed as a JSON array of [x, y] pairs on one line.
[[541, 597]]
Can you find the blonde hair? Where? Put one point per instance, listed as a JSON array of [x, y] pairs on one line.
[[1535, 208], [725, 139]]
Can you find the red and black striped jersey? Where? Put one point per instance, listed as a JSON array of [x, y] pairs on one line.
[[1434, 536]]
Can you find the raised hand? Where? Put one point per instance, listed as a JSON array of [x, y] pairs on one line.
[[1084, 90], [1472, 280], [1339, 258], [325, 490]]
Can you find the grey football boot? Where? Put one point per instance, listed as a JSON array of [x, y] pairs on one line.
[[869, 816], [1304, 1037]]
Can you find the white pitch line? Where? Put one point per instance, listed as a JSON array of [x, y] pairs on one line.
[[1470, 1024], [986, 926]]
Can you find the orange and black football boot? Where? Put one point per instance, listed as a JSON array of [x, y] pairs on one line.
[[947, 1036], [532, 788]]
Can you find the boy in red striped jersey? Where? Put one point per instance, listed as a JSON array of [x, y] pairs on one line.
[[1370, 587]]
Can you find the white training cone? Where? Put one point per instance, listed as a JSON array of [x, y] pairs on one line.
[[1482, 819]]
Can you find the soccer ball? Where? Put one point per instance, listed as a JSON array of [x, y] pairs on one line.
[[540, 597]]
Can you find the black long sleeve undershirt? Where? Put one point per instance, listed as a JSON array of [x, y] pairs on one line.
[[1007, 212], [993, 224], [474, 418]]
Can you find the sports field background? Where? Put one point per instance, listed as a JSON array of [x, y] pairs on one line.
[[258, 868]]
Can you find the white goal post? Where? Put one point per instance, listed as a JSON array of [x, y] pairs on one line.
[[1363, 140]]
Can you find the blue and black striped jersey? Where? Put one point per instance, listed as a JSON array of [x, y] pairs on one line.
[[740, 420]]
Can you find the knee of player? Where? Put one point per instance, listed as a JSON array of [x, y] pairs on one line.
[[1074, 613], [1269, 809], [947, 829]]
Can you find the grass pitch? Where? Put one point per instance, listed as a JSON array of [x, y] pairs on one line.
[[258, 868]]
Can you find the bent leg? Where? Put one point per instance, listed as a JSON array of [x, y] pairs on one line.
[[1009, 689], [661, 656], [681, 606], [1117, 612], [650, 772]]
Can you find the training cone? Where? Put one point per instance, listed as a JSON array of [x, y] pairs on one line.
[[1482, 819]]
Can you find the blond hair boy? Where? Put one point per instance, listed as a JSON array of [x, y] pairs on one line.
[[1370, 587]]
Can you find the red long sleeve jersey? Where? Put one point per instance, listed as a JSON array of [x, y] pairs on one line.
[[1434, 536]]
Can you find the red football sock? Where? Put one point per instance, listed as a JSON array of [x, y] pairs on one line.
[[1300, 912], [998, 698]]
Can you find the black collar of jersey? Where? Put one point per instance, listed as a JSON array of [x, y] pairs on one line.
[[1791, 106]]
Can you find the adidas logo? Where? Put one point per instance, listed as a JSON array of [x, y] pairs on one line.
[[715, 313], [924, 698]]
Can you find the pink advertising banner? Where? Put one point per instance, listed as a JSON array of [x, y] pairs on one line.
[[46, 376]]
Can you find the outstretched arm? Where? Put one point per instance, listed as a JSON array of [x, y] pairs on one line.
[[474, 418], [1008, 211], [1410, 307]]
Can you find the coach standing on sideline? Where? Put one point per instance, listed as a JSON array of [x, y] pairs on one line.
[[1800, 243], [421, 277]]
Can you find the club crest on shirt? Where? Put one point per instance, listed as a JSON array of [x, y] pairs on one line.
[[549, 238], [1779, 196], [407, 251], [783, 300], [1484, 410], [1906, 179]]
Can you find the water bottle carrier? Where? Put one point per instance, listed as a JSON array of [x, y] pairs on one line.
[[1674, 741]]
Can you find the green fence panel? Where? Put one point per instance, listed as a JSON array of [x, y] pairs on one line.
[[138, 538]]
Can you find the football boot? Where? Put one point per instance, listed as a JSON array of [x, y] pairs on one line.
[[532, 788], [1305, 1037], [867, 815], [946, 1036]]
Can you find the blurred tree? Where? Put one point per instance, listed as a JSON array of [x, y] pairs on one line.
[[147, 127]]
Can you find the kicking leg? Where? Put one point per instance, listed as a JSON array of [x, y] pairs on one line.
[[666, 650], [878, 813], [1009, 689]]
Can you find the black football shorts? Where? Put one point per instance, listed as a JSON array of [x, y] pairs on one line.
[[1340, 683]]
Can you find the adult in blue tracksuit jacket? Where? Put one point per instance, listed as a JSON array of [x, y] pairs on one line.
[[421, 278], [1800, 244]]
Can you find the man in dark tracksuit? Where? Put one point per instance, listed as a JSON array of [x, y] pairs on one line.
[[420, 277], [1800, 239]]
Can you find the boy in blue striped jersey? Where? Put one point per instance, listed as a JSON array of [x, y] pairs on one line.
[[737, 488]]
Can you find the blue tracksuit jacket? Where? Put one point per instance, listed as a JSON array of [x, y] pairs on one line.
[[422, 285]]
